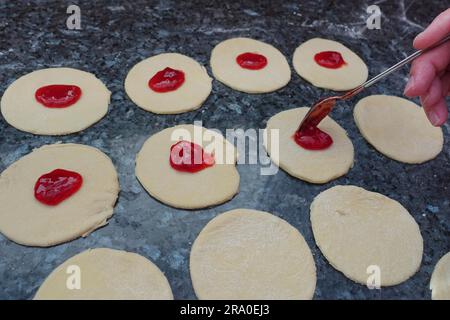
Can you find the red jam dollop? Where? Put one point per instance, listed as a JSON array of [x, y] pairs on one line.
[[54, 187], [189, 157], [166, 80], [58, 95], [312, 138], [329, 59], [252, 61]]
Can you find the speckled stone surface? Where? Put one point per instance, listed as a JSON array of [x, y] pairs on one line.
[[115, 36]]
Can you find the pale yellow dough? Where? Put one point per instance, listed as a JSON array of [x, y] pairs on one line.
[[250, 254], [440, 279], [398, 128], [356, 229], [106, 274], [315, 166], [210, 186], [347, 77], [190, 96], [275, 75], [21, 109], [29, 222]]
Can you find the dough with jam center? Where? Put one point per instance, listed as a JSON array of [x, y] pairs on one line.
[[348, 76], [20, 108], [315, 166], [208, 187], [362, 232], [275, 75], [398, 128], [189, 96], [106, 274], [26, 221], [250, 254], [440, 279]]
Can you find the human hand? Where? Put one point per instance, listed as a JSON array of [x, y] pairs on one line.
[[430, 73]]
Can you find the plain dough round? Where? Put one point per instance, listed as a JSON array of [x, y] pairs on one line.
[[26, 221], [347, 77], [211, 186], [107, 274], [250, 254], [21, 109], [398, 128], [275, 75], [190, 96], [315, 166], [355, 228], [440, 279]]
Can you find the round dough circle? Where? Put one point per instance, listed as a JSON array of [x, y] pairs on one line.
[[315, 166], [26, 221], [275, 75], [21, 109], [398, 128], [355, 229], [211, 186], [190, 96], [107, 274], [250, 254], [347, 77], [440, 279]]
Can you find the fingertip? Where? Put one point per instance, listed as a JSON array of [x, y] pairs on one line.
[[409, 88], [434, 94], [422, 75], [437, 114], [442, 114], [418, 42]]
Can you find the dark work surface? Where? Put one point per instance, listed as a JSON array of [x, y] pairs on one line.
[[115, 36]]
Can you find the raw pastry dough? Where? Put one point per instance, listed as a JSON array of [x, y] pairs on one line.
[[211, 186], [316, 166], [275, 75], [347, 77], [356, 229], [26, 221], [398, 128], [440, 279], [190, 96], [250, 254], [106, 274], [21, 109]]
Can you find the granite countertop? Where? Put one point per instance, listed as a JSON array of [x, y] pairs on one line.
[[115, 36]]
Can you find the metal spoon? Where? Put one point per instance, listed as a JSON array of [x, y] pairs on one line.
[[324, 106]]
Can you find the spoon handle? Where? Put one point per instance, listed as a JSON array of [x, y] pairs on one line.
[[402, 63]]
